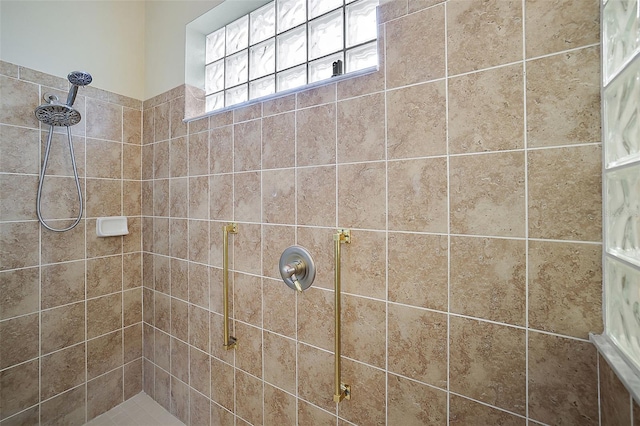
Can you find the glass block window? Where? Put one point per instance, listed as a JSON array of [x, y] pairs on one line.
[[287, 44], [621, 176]]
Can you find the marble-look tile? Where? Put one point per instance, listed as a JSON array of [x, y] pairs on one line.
[[176, 114], [132, 306], [280, 361], [249, 352], [132, 342], [279, 105], [62, 327], [247, 113], [417, 195], [486, 111], [364, 271], [315, 377], [104, 314], [361, 195], [222, 384], [560, 25], [364, 330], [104, 354], [563, 98], [275, 239], [23, 157], [247, 146], [416, 121], [19, 100], [488, 279], [104, 120], [199, 197], [104, 276], [104, 393], [278, 196], [418, 270], [104, 198], [565, 193], [247, 196], [221, 149], [315, 135], [418, 344], [367, 405], [279, 308], [249, 398], [411, 402], [19, 388], [280, 407], [104, 159], [199, 409], [614, 397], [316, 96], [315, 318], [19, 340], [199, 154], [132, 126], [278, 141], [199, 328], [62, 370], [563, 380], [465, 411], [361, 133], [21, 292], [415, 50], [65, 409], [132, 379], [161, 122], [488, 363], [497, 29], [20, 242], [316, 196], [311, 415], [488, 194], [565, 288], [247, 248], [247, 299], [200, 376], [22, 190], [180, 360], [220, 201]]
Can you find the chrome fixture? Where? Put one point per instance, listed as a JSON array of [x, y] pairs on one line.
[[55, 113], [297, 268]]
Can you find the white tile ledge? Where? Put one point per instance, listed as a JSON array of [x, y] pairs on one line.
[[628, 374]]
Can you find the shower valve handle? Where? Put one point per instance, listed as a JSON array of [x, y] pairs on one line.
[[297, 268], [291, 269]]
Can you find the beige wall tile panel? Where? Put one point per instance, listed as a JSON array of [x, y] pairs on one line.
[[361, 195], [19, 100], [62, 327], [101, 396], [315, 136], [278, 140], [21, 292], [62, 370], [22, 157], [361, 135], [19, 388], [411, 402], [247, 146], [19, 340], [465, 411]]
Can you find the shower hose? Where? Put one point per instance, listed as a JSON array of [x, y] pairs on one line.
[[43, 173]]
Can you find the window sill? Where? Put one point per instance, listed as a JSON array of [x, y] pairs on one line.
[[628, 374], [320, 83]]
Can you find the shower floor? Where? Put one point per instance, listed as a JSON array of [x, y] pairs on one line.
[[140, 410]]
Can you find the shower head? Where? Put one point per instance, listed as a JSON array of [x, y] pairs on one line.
[[57, 115], [77, 78]]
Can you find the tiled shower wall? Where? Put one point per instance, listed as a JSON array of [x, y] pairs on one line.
[[70, 303], [469, 170]]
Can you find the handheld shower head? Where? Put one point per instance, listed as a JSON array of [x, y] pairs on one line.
[[77, 78]]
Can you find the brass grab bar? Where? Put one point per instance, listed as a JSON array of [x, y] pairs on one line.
[[229, 341], [342, 391]]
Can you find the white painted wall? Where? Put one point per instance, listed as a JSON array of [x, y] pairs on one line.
[[105, 38], [135, 48]]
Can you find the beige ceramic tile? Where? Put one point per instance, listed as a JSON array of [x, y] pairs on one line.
[[221, 150], [178, 244], [247, 146], [20, 242], [132, 379], [161, 236], [275, 239], [131, 161], [161, 122], [250, 112], [222, 380], [104, 393], [249, 398], [488, 363], [361, 195], [487, 194], [19, 100], [416, 121], [497, 29], [199, 241], [19, 388], [178, 127], [278, 196], [279, 105], [62, 327], [199, 154], [411, 402], [104, 120], [104, 198], [19, 340], [563, 98], [62, 370], [315, 318], [360, 129], [465, 411], [178, 153], [315, 377], [418, 195], [19, 158], [563, 381], [67, 408], [247, 299], [199, 197], [615, 399], [316, 196], [247, 196], [418, 270], [311, 415], [486, 111], [104, 276], [132, 342], [132, 126], [132, 307], [316, 135], [220, 200], [368, 403], [279, 308], [199, 408], [22, 190], [104, 159], [316, 96], [488, 279], [565, 288], [415, 50], [280, 361], [22, 292], [199, 328], [246, 245], [59, 246], [104, 354], [565, 192], [364, 330], [280, 407], [418, 344], [560, 25], [278, 141], [199, 365], [363, 264], [104, 314]]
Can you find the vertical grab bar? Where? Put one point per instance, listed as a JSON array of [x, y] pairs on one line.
[[229, 341], [342, 391]]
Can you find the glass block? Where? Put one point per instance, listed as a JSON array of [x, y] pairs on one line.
[[295, 77], [214, 77], [622, 213], [622, 298], [215, 46], [262, 60], [214, 102], [263, 87], [322, 69], [318, 7], [236, 71], [236, 95], [362, 57], [621, 34], [291, 13], [262, 23], [238, 35], [292, 48], [622, 117], [362, 24], [325, 34]]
